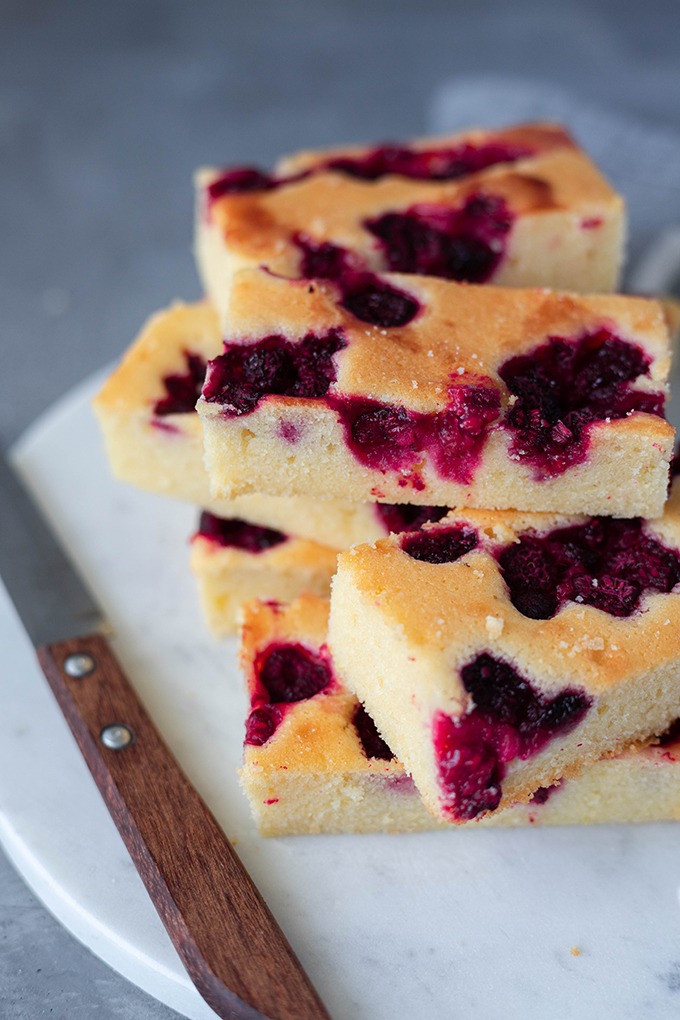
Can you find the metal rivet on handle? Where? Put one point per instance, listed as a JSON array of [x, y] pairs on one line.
[[79, 665], [117, 736]]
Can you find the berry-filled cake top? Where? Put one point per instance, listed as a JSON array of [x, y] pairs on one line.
[[301, 716], [546, 369], [438, 206], [586, 602]]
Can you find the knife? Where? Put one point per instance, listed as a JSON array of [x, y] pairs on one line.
[[232, 947]]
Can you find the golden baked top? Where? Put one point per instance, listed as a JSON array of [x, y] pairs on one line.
[[588, 602], [456, 333]]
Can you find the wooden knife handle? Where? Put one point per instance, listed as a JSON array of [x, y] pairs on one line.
[[234, 951]]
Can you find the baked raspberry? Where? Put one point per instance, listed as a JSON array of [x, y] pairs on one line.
[[323, 260], [364, 294], [372, 300], [261, 724], [384, 437], [391, 438], [182, 390], [508, 720], [432, 240], [239, 378], [467, 243], [441, 546], [544, 793], [607, 563], [237, 534], [283, 674], [373, 744], [239, 179], [563, 387], [444, 163], [398, 517], [671, 735], [291, 672], [459, 432], [435, 164]]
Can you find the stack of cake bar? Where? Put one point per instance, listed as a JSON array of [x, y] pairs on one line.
[[412, 356]]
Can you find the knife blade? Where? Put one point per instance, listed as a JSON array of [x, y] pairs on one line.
[[232, 947]]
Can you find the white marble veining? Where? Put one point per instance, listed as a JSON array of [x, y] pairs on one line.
[[439, 925]]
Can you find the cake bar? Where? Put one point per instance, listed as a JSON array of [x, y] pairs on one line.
[[154, 440], [464, 396], [500, 652], [324, 769], [521, 206], [235, 561]]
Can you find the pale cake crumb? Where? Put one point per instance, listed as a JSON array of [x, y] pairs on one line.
[[494, 626]]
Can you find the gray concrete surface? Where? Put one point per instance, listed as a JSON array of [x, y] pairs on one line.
[[106, 108]]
